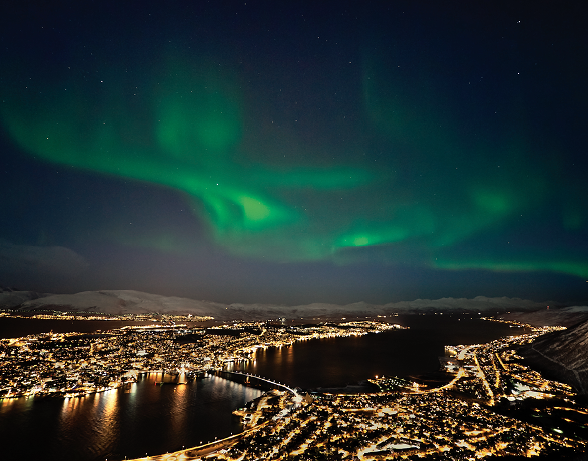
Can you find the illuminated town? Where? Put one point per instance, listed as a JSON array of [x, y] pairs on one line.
[[76, 364], [490, 403]]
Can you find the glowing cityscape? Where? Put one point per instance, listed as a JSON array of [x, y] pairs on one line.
[[490, 402]]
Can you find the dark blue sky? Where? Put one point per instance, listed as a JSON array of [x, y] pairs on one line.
[[292, 152]]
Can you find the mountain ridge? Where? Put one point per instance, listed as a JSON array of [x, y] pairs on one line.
[[117, 302], [562, 354]]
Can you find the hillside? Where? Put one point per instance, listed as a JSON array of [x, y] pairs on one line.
[[563, 355], [10, 299], [116, 302], [554, 316]]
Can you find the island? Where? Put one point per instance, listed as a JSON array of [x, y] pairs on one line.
[[491, 403]]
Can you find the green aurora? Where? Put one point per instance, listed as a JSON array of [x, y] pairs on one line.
[[435, 200]]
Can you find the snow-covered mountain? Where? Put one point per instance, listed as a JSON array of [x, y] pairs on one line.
[[563, 354], [135, 302], [9, 298], [563, 316], [115, 302]]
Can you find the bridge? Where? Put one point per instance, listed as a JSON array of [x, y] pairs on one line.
[[195, 453], [234, 375]]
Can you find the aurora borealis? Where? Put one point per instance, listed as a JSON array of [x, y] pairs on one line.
[[278, 153]]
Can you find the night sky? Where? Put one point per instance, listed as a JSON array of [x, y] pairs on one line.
[[295, 152]]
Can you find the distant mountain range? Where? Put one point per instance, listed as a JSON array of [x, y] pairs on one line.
[[563, 355], [11, 298], [116, 302]]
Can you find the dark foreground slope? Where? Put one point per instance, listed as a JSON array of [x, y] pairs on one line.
[[556, 315], [563, 355]]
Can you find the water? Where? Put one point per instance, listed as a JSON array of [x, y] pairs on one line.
[[147, 418], [335, 362], [17, 327], [153, 419]]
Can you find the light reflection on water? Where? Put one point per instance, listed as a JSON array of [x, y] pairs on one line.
[[153, 419], [179, 405], [334, 362], [93, 418], [143, 418]]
